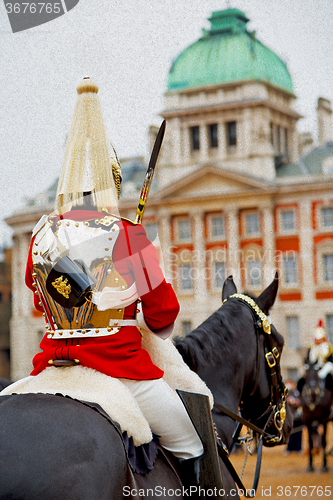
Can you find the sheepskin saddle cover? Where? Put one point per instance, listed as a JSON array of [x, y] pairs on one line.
[[85, 384]]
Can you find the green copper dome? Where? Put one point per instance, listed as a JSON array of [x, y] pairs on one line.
[[228, 53]]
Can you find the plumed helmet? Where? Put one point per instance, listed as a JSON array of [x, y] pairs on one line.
[[88, 165], [319, 334]]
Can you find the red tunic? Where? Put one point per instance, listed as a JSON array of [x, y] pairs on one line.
[[119, 355]]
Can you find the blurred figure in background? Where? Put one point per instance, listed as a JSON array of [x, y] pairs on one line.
[[295, 439]]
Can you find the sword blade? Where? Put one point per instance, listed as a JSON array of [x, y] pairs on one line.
[[149, 174]]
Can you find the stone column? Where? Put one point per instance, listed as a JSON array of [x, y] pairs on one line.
[[176, 139], [221, 137], [199, 264], [306, 273], [203, 142], [23, 342], [268, 264], [164, 234], [16, 309], [185, 143], [246, 131], [306, 248], [233, 263], [293, 143]]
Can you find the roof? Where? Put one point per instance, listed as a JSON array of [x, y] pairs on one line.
[[227, 53], [133, 173], [315, 162]]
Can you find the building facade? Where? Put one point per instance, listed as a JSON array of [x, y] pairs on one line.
[[237, 191]]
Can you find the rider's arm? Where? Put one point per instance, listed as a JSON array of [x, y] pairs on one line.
[[160, 306]]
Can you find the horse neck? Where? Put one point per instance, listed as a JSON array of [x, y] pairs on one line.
[[227, 378]]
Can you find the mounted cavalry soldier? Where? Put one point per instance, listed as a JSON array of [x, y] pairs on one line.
[[321, 351], [320, 354], [90, 271]]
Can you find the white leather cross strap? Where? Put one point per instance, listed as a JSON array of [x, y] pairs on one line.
[[112, 329]]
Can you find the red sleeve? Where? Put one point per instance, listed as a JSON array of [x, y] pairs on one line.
[[159, 302], [28, 277]]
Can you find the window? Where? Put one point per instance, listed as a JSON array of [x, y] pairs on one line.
[[329, 323], [213, 141], [195, 138], [290, 269], [184, 229], [186, 277], [328, 267], [217, 227], [231, 134], [252, 224], [186, 327], [254, 271], [219, 274], [293, 332], [288, 220], [327, 217], [151, 230]]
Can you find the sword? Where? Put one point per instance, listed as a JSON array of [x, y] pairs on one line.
[[149, 174]]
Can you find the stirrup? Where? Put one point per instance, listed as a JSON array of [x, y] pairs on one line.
[[198, 409]]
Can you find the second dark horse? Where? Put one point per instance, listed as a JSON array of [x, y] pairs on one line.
[[316, 401]]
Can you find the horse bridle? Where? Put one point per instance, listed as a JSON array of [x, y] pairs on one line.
[[318, 388], [276, 410]]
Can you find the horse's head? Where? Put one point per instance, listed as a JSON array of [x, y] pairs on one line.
[[311, 373], [263, 401], [313, 390]]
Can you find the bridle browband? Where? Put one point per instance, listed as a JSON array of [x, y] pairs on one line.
[[276, 411]]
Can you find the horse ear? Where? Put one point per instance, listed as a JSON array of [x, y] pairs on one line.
[[229, 288], [267, 298]]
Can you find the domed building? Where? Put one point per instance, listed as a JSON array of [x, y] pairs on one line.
[[230, 100], [241, 192], [228, 53], [237, 191]]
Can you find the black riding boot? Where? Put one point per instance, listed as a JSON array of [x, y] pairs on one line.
[[203, 473], [190, 476]]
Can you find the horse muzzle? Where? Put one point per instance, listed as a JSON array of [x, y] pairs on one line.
[[279, 425]]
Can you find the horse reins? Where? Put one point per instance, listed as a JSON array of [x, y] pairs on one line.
[[278, 393]]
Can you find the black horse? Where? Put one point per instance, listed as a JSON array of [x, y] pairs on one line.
[[54, 447], [4, 383], [316, 401], [237, 366]]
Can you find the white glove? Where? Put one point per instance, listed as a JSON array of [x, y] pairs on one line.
[[163, 333], [327, 368]]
